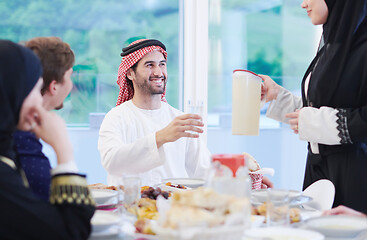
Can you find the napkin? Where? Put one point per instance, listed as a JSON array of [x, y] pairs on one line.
[[257, 176], [269, 171]]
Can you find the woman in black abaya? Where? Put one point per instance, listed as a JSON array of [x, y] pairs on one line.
[[23, 215], [332, 113]]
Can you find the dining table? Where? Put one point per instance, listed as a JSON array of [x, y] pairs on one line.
[[125, 230]]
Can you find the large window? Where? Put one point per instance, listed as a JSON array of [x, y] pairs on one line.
[[270, 37], [273, 37], [96, 31], [206, 40]]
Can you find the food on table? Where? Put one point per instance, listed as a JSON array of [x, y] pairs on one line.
[[143, 226], [252, 163], [185, 216], [199, 207], [146, 191], [146, 208], [202, 207], [294, 213], [145, 211], [169, 184], [97, 186], [253, 167], [115, 187], [103, 186], [259, 210], [153, 193]]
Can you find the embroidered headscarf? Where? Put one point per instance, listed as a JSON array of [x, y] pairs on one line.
[[20, 70], [130, 56]]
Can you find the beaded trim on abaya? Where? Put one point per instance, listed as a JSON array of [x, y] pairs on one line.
[[342, 127]]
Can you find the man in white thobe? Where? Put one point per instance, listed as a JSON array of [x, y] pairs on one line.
[[143, 135]]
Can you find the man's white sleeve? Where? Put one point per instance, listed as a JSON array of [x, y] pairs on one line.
[[286, 102], [198, 158], [119, 157]]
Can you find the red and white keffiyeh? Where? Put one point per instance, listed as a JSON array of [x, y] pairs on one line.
[[126, 91]]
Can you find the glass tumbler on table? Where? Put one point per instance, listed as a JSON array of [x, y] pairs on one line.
[[131, 190], [195, 107], [277, 208]]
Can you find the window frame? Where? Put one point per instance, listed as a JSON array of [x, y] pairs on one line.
[[195, 54]]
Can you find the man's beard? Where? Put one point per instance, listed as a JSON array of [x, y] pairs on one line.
[[150, 89], [59, 107]]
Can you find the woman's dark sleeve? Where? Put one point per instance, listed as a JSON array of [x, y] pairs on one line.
[[23, 216], [352, 125], [352, 120]]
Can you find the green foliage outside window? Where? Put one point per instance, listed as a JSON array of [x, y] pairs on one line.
[[270, 37], [96, 30]]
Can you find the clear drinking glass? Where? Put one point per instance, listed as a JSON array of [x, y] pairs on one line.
[[131, 194], [277, 213], [120, 209], [195, 107], [132, 186]]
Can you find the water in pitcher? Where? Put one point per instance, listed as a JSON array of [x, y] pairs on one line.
[[246, 102]]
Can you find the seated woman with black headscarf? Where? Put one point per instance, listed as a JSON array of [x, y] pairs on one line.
[[24, 216]]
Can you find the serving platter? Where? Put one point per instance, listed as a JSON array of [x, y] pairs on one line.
[[103, 220], [296, 198], [104, 197]]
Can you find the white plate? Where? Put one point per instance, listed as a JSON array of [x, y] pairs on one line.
[[307, 213], [145, 236], [322, 192], [338, 225], [297, 201], [187, 182], [261, 195], [282, 233], [296, 198], [201, 233], [104, 196], [103, 220], [110, 232]]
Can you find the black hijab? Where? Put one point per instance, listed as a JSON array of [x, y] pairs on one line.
[[20, 70], [346, 23]]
